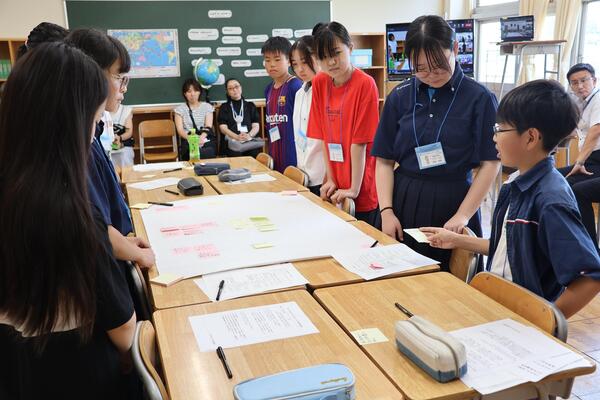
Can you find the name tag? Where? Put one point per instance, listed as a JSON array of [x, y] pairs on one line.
[[335, 152], [431, 155], [301, 140], [242, 128], [274, 134]]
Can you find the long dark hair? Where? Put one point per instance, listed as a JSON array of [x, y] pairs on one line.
[[104, 49], [325, 37], [305, 46], [432, 35], [42, 33], [49, 243]]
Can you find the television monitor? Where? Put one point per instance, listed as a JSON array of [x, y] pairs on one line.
[[397, 61], [516, 29], [465, 36]]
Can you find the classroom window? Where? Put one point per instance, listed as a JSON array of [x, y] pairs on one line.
[[590, 49], [492, 2], [489, 58]]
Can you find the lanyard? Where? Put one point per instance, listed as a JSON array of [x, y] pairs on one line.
[[238, 118], [281, 90], [341, 111], [445, 116], [587, 103]]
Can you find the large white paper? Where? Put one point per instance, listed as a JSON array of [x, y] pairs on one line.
[[380, 261], [253, 179], [154, 184], [219, 233], [248, 281], [251, 325], [158, 166], [506, 353]]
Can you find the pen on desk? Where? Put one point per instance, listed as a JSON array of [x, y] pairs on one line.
[[221, 355], [172, 192], [158, 203], [172, 170], [221, 284], [375, 244], [404, 310]]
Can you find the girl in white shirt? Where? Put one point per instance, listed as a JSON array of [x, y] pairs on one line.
[[309, 152]]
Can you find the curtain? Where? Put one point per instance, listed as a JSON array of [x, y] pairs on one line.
[[458, 9], [565, 28], [539, 9]]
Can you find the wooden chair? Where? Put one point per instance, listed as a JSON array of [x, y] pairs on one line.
[[535, 309], [296, 174], [265, 159], [145, 361], [155, 129], [463, 263], [348, 206]]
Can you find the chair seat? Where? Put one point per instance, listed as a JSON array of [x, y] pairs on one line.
[[160, 156]]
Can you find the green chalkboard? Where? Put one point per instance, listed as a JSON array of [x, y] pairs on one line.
[[253, 17]]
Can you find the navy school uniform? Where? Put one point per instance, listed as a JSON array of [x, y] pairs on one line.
[[546, 243], [462, 113]]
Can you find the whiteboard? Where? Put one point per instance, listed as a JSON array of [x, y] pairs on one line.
[[219, 233]]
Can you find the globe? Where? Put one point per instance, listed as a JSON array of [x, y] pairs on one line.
[[206, 72]]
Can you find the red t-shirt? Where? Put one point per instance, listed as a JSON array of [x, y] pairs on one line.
[[353, 122]]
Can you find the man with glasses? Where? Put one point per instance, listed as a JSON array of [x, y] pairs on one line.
[[583, 175]]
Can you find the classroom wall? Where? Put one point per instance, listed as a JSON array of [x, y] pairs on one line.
[[18, 17]]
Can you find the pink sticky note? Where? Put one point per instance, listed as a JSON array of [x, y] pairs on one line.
[[376, 266], [289, 193]]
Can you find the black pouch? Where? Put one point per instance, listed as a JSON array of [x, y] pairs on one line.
[[190, 187]]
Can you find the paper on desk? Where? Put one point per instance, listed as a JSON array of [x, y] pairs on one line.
[[253, 179], [154, 184], [506, 353], [417, 235], [158, 166], [248, 281], [247, 326], [382, 260]]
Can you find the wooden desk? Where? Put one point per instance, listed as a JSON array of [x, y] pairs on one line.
[[328, 206], [128, 175], [191, 374], [439, 297], [143, 196], [280, 183], [328, 272]]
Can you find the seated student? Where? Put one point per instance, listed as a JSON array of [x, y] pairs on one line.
[[103, 184], [123, 130], [537, 238], [239, 122], [583, 175], [196, 114], [42, 33], [66, 318]]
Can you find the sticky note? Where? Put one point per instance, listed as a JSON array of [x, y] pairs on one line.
[[148, 176], [369, 336], [417, 235], [289, 193], [140, 206], [267, 228], [375, 265], [262, 245], [166, 279], [191, 167]]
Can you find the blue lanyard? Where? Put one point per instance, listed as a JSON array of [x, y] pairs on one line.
[[329, 89], [437, 139]]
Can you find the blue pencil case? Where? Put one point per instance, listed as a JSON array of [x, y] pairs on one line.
[[431, 348], [319, 382]]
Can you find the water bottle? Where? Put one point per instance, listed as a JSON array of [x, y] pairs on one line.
[[194, 144]]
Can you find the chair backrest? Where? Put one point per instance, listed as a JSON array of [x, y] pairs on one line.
[[145, 361], [265, 159], [156, 128], [348, 206], [297, 175], [143, 309], [527, 304], [463, 263]]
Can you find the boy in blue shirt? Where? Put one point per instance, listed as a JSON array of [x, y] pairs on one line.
[[280, 95], [538, 240]]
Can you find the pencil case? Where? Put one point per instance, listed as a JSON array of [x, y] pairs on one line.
[[190, 187], [431, 348], [319, 382], [235, 174], [210, 168]]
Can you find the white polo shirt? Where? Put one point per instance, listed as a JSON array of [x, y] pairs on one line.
[[590, 116]]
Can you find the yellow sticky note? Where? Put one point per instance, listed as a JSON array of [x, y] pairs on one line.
[[148, 176], [262, 245], [140, 206], [369, 336], [166, 279], [417, 235], [267, 228]]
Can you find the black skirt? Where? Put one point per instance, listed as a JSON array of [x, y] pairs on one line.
[[421, 201]]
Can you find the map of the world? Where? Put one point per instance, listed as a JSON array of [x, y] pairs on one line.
[[154, 52]]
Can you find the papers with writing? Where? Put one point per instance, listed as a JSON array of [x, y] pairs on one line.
[[379, 261], [506, 353], [253, 179], [250, 325], [249, 281], [158, 166], [154, 184]]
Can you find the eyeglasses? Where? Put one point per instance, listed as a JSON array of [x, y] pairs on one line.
[[497, 129], [123, 81], [234, 87], [577, 82]]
